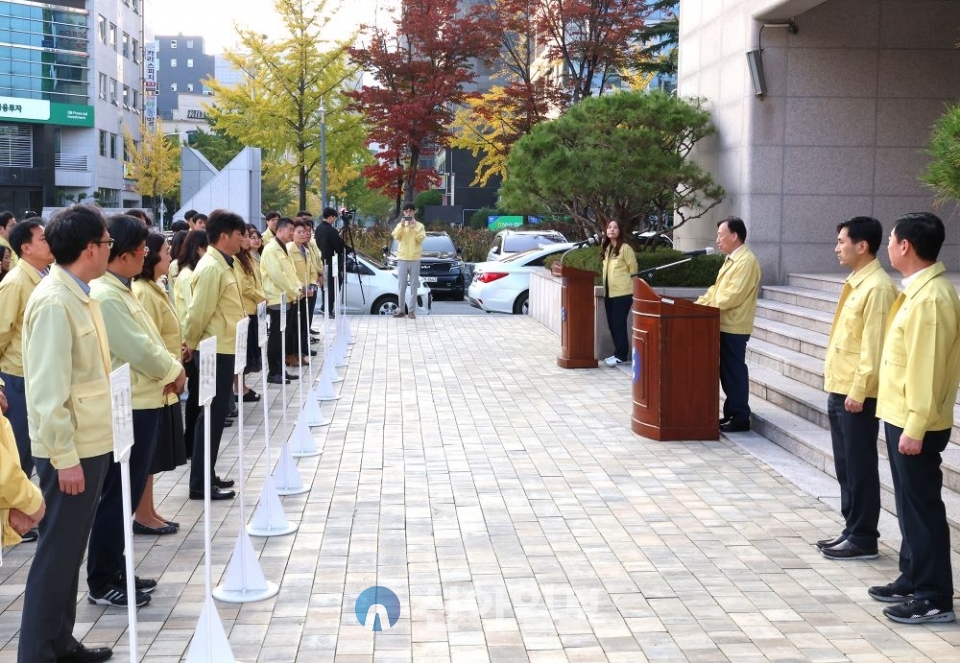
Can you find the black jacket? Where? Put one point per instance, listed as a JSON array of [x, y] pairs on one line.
[[329, 242]]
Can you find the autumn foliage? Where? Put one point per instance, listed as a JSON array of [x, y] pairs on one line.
[[420, 67]]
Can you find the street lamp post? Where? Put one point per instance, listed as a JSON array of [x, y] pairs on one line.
[[323, 154]]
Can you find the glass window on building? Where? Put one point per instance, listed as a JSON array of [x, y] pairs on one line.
[[135, 101], [190, 62], [113, 91], [173, 43], [102, 29], [103, 143], [16, 145], [112, 36], [126, 45], [173, 62], [103, 85], [113, 146], [126, 96], [135, 48], [189, 43], [173, 87], [189, 87], [136, 6]]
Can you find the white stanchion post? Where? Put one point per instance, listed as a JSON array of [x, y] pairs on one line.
[[245, 582], [286, 477], [122, 401], [268, 518], [209, 639], [302, 444]]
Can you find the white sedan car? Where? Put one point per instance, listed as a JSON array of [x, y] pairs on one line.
[[371, 287], [504, 286]]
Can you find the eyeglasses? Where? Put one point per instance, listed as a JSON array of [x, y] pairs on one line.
[[108, 242]]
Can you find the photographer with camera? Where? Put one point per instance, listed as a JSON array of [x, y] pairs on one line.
[[409, 234], [330, 243]]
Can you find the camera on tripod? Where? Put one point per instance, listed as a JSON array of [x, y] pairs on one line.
[[347, 215]]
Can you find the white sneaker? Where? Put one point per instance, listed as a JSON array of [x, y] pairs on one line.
[[612, 361]]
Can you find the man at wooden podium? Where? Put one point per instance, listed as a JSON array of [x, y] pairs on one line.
[[735, 294]]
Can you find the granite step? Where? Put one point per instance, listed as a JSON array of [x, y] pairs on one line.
[[829, 283], [798, 316], [816, 300], [803, 341]]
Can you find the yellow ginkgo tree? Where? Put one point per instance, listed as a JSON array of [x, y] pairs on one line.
[[153, 162]]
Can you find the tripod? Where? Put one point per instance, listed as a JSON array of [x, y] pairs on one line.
[[347, 234]]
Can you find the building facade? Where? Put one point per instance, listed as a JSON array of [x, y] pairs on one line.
[[182, 67], [841, 128], [70, 85]]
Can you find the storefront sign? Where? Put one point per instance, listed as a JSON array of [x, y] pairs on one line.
[[41, 111]]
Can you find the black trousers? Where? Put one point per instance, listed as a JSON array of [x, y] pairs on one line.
[[105, 561], [925, 548], [301, 331], [253, 346], [328, 273], [219, 409], [274, 345], [854, 437], [618, 319], [734, 378], [312, 306], [50, 597], [192, 408]]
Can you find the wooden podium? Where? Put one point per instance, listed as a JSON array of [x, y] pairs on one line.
[[676, 367], [577, 317]]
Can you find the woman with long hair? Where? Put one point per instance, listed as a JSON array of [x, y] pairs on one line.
[[619, 265], [176, 244], [194, 247], [251, 294], [170, 451]]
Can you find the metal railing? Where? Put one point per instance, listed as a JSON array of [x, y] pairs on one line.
[[74, 162]]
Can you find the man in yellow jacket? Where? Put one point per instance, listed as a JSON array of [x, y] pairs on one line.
[[919, 372], [133, 339], [735, 294], [30, 244], [216, 306], [279, 276], [409, 234], [66, 364], [851, 378]]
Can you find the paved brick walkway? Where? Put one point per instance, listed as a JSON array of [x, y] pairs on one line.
[[508, 505]]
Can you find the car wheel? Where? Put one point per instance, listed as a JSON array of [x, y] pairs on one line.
[[386, 305], [458, 295], [522, 305]]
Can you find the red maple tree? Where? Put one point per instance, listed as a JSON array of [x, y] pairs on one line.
[[420, 66]]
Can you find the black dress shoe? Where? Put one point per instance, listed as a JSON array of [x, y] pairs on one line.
[[86, 655], [32, 535], [215, 494], [724, 420], [734, 426], [222, 483], [276, 379], [847, 550], [139, 528], [292, 377], [830, 543]]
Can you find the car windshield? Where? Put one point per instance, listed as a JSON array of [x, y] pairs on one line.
[[515, 257], [371, 261], [438, 244], [516, 243]]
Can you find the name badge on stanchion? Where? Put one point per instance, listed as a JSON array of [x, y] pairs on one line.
[[208, 370], [283, 309], [262, 323], [122, 424]]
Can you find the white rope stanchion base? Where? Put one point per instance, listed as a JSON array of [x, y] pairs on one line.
[[244, 582], [268, 518]]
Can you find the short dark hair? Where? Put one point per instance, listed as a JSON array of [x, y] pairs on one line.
[[128, 233], [924, 231], [198, 217], [177, 242], [304, 212], [735, 225], [224, 222], [179, 225], [329, 211], [22, 233], [155, 242], [71, 231], [863, 229], [273, 214], [189, 254], [407, 206], [138, 213], [5, 218], [284, 221], [189, 214], [30, 214]]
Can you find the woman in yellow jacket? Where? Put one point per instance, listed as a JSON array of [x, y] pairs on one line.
[[247, 268], [194, 247], [171, 450], [619, 265]]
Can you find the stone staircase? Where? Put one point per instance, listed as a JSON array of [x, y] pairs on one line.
[[785, 356]]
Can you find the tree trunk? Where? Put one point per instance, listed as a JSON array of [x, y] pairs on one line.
[[411, 181], [302, 177]]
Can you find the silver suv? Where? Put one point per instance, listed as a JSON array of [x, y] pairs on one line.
[[508, 242]]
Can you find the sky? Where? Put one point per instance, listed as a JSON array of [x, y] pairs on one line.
[[214, 20]]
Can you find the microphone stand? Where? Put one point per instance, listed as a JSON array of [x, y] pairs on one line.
[[645, 274]]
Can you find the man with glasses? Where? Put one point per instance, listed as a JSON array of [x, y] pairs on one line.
[[66, 365], [133, 339]]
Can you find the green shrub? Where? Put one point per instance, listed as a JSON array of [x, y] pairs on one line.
[[475, 243], [701, 272], [370, 240], [478, 221], [424, 198]]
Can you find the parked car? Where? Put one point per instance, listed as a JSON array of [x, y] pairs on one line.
[[509, 242], [663, 240], [371, 287], [441, 265], [503, 286]]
